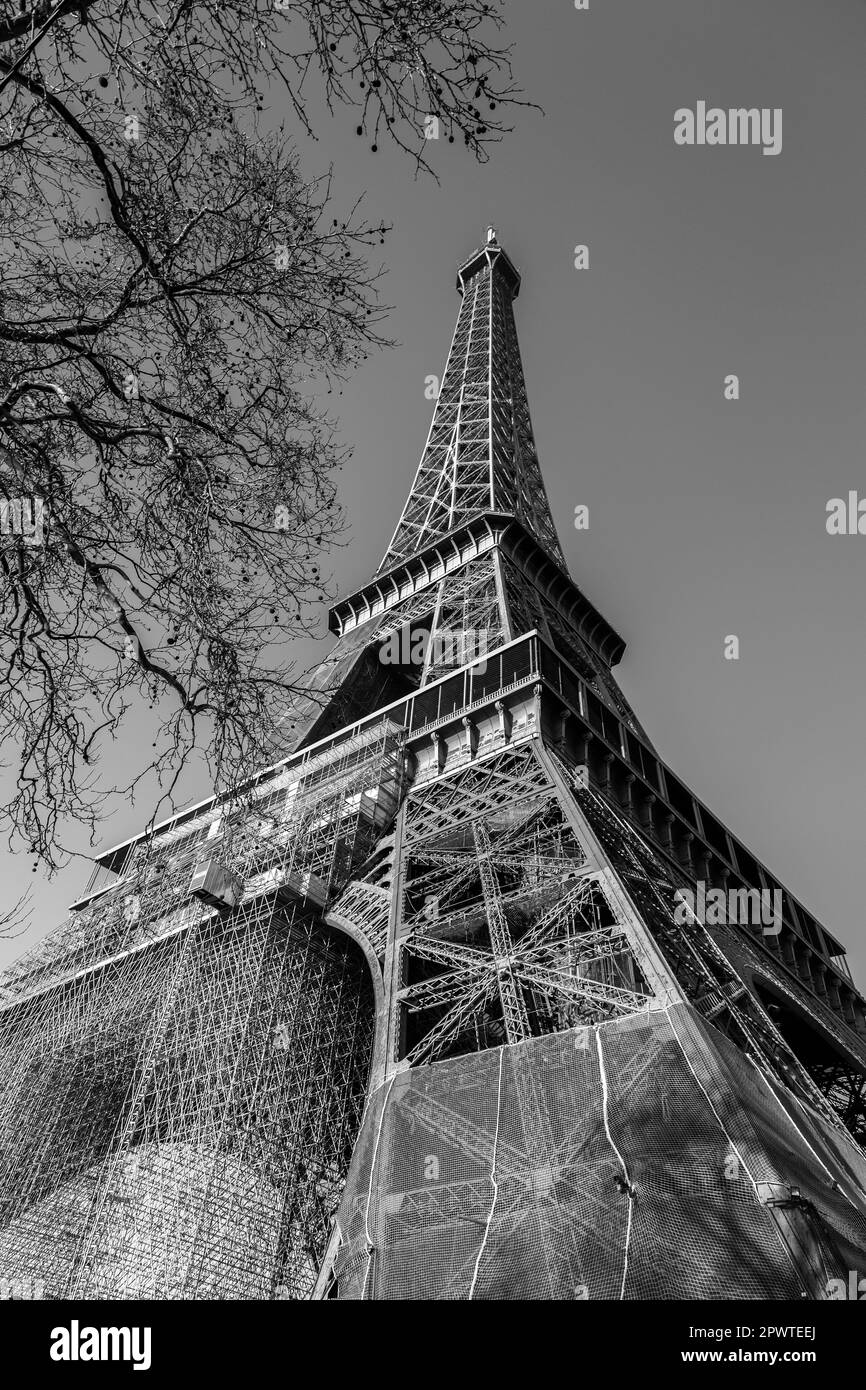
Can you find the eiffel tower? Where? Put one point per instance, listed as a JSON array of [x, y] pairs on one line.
[[599, 1070], [469, 997]]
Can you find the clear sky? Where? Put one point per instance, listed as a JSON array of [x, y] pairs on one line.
[[707, 516]]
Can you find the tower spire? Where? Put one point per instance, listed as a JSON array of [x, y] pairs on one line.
[[480, 453]]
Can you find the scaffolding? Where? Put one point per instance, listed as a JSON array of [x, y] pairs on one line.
[[183, 1081]]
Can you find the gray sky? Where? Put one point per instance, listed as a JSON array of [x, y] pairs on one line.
[[707, 517]]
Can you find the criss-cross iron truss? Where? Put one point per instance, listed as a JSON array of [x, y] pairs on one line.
[[506, 932], [480, 453]]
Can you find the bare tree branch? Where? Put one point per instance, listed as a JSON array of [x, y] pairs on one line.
[[177, 301]]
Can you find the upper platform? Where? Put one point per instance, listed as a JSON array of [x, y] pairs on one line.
[[492, 256]]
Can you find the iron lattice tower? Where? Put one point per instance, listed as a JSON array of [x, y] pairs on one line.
[[461, 907]]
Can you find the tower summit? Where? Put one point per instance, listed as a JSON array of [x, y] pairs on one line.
[[600, 1051], [480, 453]]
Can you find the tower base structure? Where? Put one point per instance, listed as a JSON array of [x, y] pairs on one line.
[[580, 1090], [677, 1170]]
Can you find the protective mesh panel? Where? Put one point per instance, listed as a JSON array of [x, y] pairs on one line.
[[621, 1161], [783, 1141]]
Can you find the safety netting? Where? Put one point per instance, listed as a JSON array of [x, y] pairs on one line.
[[643, 1158]]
